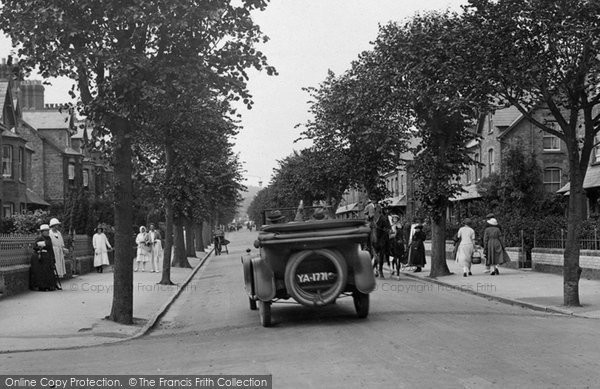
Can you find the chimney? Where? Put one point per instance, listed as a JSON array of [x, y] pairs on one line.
[[32, 94]]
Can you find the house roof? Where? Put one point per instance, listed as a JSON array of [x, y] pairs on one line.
[[47, 119], [471, 193], [506, 116], [591, 180], [3, 94]]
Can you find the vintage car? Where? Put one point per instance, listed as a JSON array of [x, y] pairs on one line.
[[313, 262]]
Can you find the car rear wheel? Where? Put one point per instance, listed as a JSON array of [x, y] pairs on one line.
[[361, 303], [264, 310]]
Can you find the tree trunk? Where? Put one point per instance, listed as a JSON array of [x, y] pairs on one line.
[[190, 246], [166, 271], [571, 269], [122, 303], [180, 258], [439, 266], [206, 234], [168, 250], [198, 239]]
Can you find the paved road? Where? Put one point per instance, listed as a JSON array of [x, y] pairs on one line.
[[417, 335]]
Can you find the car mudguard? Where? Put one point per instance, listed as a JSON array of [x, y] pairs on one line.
[[264, 280], [248, 277], [364, 279]]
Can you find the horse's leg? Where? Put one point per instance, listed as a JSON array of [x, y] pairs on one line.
[[380, 262]]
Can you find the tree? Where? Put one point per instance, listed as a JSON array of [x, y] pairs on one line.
[[309, 175], [114, 51], [423, 73], [355, 126], [545, 55]]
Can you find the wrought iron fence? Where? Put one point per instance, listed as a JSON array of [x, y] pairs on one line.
[[557, 240]]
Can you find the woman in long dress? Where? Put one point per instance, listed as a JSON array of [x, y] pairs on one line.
[[101, 248], [493, 246], [41, 271], [157, 250], [58, 245], [144, 249], [416, 250], [464, 253]]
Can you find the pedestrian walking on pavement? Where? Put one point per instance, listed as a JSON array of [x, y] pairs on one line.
[[101, 249], [42, 263], [144, 249], [493, 246], [416, 250], [157, 250], [58, 245], [466, 246]]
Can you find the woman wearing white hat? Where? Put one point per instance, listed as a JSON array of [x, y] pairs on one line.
[[144, 249], [58, 244], [493, 245], [101, 249]]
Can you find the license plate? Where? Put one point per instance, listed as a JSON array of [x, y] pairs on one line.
[[315, 277]]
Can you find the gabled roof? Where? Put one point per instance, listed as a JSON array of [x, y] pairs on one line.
[[506, 116], [6, 98], [3, 94], [48, 119]]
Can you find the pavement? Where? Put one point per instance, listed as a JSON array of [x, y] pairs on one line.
[[75, 316], [523, 287]]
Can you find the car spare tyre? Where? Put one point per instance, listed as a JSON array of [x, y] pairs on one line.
[[316, 277]]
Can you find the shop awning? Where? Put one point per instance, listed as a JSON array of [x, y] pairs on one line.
[[398, 201], [33, 198], [470, 193], [347, 208]]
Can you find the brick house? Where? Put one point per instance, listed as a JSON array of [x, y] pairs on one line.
[[503, 130], [17, 154]]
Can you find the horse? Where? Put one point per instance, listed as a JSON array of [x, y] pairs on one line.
[[380, 241]]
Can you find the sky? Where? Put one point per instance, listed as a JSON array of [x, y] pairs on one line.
[[307, 38]]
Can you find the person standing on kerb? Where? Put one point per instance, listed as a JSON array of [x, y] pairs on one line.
[[41, 271], [58, 245], [101, 249]]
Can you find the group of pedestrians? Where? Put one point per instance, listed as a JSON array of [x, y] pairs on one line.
[[493, 246], [47, 265], [149, 249]]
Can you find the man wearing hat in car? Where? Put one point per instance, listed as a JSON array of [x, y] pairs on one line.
[[276, 217], [58, 245]]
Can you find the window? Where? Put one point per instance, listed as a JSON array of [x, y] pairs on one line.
[[551, 142], [7, 210], [478, 167], [7, 155], [402, 184], [596, 155], [21, 164], [71, 171], [86, 178], [491, 167], [23, 208], [396, 186], [468, 176], [552, 179]]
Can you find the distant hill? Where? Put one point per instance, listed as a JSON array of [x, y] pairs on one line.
[[248, 197]]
